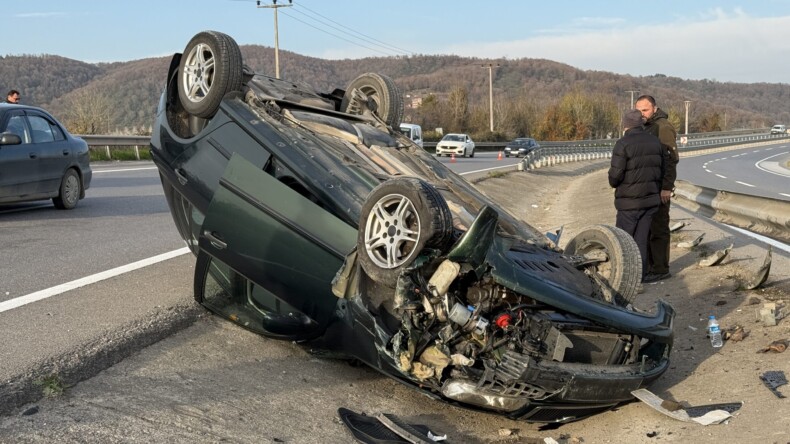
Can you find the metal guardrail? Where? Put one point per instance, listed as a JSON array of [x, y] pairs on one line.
[[693, 141], [95, 141]]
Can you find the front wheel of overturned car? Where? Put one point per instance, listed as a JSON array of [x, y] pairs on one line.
[[384, 97], [615, 261], [210, 68], [399, 219]]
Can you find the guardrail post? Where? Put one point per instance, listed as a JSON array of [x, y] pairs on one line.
[[137, 152], [107, 149]]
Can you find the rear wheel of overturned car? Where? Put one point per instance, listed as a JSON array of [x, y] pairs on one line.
[[399, 219], [70, 190], [382, 92], [210, 68], [620, 266]]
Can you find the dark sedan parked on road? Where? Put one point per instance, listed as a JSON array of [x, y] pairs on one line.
[[314, 219], [520, 147], [39, 159]]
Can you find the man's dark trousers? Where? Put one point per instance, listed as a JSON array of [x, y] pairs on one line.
[[637, 224], [658, 246]]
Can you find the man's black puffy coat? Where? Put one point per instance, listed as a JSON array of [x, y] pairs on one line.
[[637, 170]]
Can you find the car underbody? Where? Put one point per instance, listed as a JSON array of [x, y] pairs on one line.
[[315, 220]]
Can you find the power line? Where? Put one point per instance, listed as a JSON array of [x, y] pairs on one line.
[[367, 38], [337, 36]]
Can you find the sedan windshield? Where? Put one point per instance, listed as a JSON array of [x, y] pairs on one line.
[[453, 138]]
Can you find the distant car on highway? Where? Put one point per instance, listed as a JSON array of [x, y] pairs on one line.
[[520, 147], [458, 144], [39, 159], [779, 129]]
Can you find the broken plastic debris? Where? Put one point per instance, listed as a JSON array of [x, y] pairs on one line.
[[773, 380], [436, 438], [762, 273], [778, 346], [676, 226], [715, 258], [704, 414], [693, 243]]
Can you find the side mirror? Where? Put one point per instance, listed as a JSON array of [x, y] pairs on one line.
[[9, 139]]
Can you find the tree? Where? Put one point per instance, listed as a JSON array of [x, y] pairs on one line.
[[89, 112]]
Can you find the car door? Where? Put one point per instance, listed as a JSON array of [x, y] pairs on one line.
[[286, 247], [54, 153], [19, 168]]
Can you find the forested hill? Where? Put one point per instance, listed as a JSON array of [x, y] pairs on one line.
[[133, 88]]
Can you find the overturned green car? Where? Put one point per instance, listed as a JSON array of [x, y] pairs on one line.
[[313, 219]]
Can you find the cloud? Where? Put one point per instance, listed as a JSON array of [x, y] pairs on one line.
[[25, 15], [719, 46]]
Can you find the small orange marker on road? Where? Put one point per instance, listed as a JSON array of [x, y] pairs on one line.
[[452, 157], [499, 157]]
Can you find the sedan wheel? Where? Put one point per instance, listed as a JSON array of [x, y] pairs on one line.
[[70, 190], [386, 98], [400, 218], [621, 267], [210, 68]]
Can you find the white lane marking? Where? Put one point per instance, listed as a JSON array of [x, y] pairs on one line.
[[707, 170], [723, 177], [123, 169], [759, 167], [744, 183], [767, 240], [489, 169], [62, 288], [784, 194]]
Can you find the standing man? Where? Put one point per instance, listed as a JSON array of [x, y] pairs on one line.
[[656, 123], [636, 173], [12, 96]]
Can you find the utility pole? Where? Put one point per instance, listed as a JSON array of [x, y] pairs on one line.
[[490, 67], [687, 102], [275, 6], [632, 96]]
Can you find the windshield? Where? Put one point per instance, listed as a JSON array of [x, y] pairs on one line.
[[453, 138]]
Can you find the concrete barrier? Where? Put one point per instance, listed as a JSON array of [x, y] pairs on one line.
[[770, 217]]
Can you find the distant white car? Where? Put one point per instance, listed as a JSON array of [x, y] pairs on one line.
[[458, 144], [778, 129]]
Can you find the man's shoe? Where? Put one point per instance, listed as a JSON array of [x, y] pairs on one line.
[[655, 277]]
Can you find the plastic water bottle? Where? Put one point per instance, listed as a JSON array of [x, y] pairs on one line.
[[714, 332]]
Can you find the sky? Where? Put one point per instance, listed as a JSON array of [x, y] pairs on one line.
[[726, 40]]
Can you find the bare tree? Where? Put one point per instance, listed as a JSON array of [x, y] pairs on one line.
[[89, 112]]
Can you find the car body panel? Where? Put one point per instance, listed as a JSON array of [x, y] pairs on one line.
[[266, 231]]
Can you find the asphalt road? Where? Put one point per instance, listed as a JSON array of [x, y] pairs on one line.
[[123, 218], [752, 171]]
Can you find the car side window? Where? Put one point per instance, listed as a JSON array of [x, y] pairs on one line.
[[40, 129], [16, 125], [57, 133]]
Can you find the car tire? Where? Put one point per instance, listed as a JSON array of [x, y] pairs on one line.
[[472, 154], [623, 269], [210, 68], [400, 218], [383, 91], [70, 191]]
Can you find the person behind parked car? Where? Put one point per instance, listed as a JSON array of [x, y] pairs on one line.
[[656, 123], [12, 96], [636, 172]]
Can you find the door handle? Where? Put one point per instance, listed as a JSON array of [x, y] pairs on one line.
[[216, 240], [65, 152], [33, 156], [182, 178]]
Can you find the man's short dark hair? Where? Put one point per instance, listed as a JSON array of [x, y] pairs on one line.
[[12, 92], [648, 98]]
